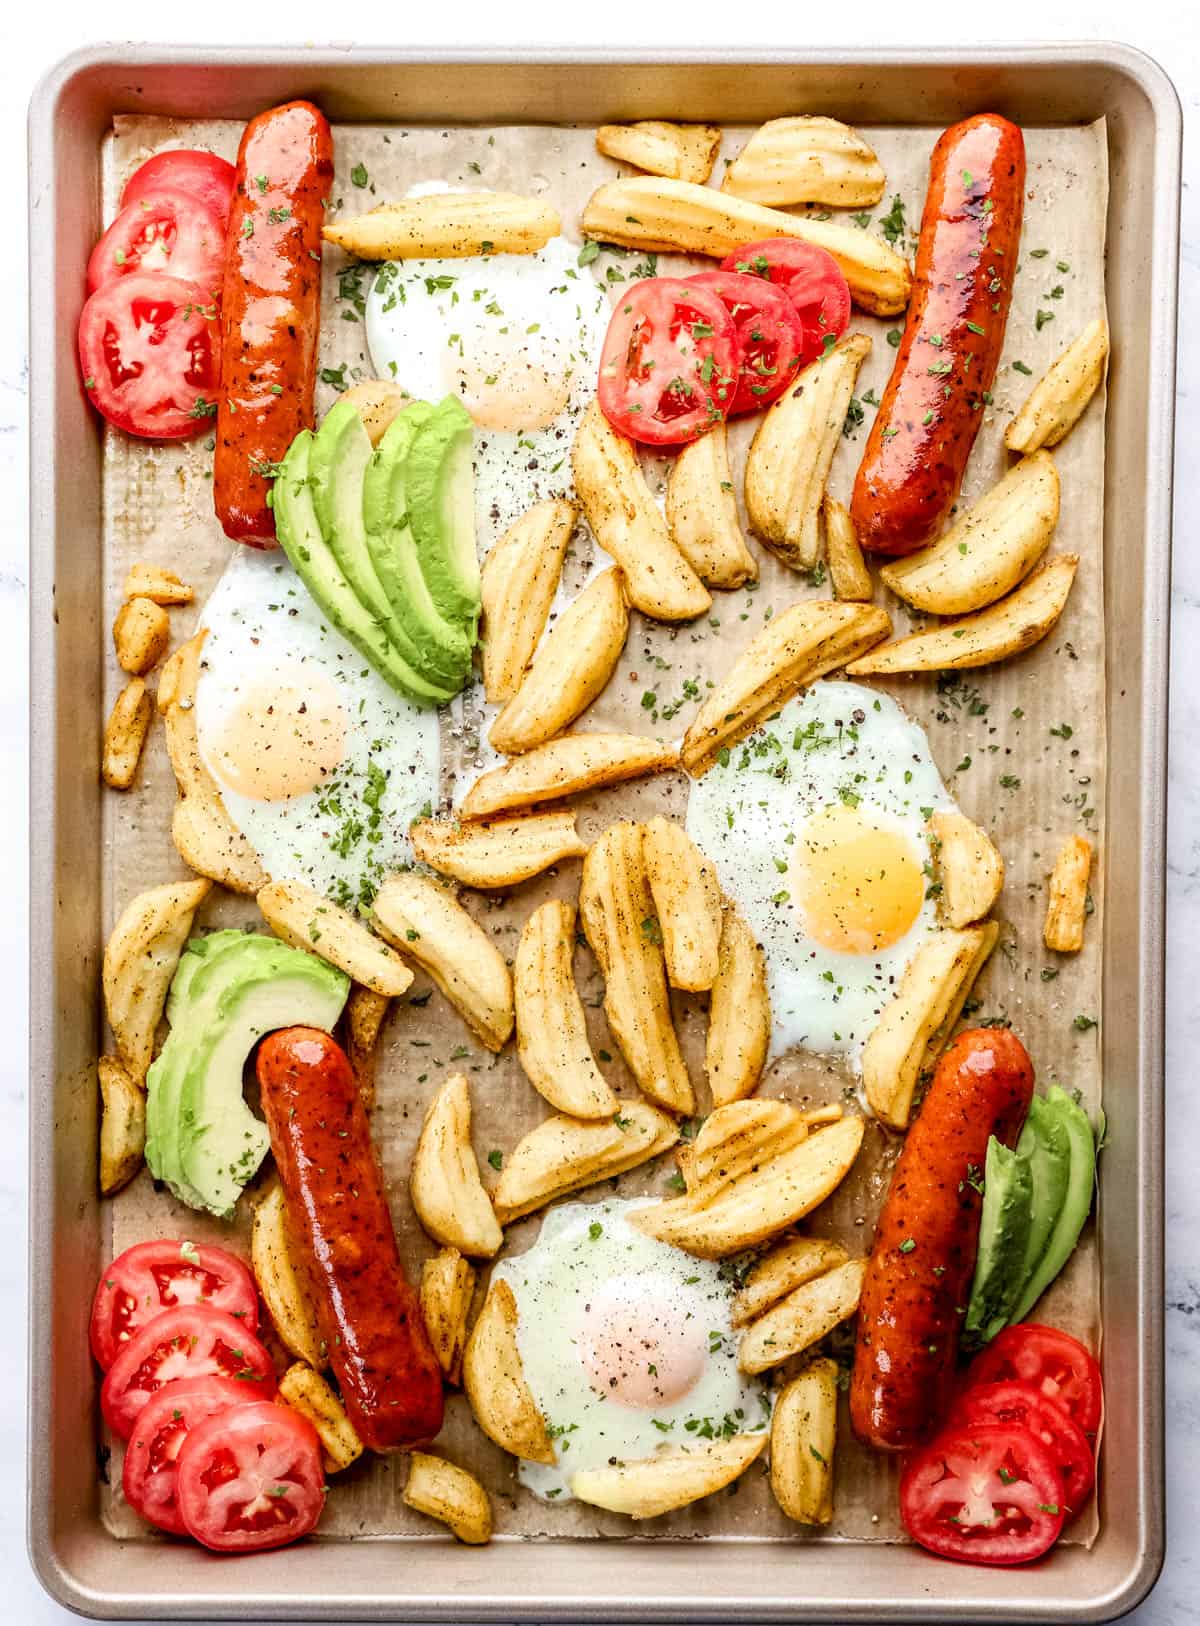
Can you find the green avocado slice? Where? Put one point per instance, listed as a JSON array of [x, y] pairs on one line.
[[1003, 1234], [441, 510], [1076, 1204], [1045, 1143]]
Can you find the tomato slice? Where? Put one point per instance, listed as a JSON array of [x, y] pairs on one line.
[[202, 175], [669, 363], [251, 1478], [812, 280], [154, 1276], [1027, 1407], [190, 1343], [149, 1475], [989, 1493], [769, 331], [1053, 1362], [150, 353], [169, 232]]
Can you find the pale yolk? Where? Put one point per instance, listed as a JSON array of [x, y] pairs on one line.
[[283, 738], [858, 885], [638, 1345], [503, 388]]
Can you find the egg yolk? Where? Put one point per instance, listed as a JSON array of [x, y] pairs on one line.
[[283, 738], [637, 1343], [858, 885], [505, 388]]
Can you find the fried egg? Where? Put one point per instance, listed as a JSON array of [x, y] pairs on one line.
[[817, 827], [626, 1344], [319, 763]]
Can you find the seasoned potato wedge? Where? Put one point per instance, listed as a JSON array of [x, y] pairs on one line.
[[572, 665], [804, 1316], [447, 226], [499, 854], [309, 921], [139, 961], [806, 160], [687, 901], [702, 513], [803, 1440], [378, 403], [914, 1026], [676, 216], [125, 735], [447, 1288], [1058, 399], [1066, 908], [447, 1193], [517, 585], [739, 1014], [1006, 628], [442, 1491], [617, 911], [780, 1272], [803, 643], [307, 1392], [683, 152], [847, 568], [282, 1280], [426, 922], [122, 1125], [967, 867], [564, 1154], [365, 1011], [672, 1479], [565, 767], [552, 1038], [156, 583], [494, 1380], [141, 633]]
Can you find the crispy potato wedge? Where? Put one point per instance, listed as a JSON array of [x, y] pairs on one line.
[[156, 583], [365, 1011], [793, 446], [804, 1316], [122, 1125], [1006, 628], [494, 1380], [378, 403], [1059, 398], [447, 1288], [447, 1193], [847, 568], [780, 1272], [426, 922], [702, 513], [139, 961], [1066, 907], [739, 1014], [447, 226], [669, 1480], [282, 1280], [683, 152], [617, 909], [803, 1440], [914, 1026], [967, 867], [442, 1491], [565, 767], [676, 216], [806, 160], [498, 854], [552, 1037], [564, 1154], [687, 901], [803, 643], [517, 585], [307, 1392], [141, 633], [309, 921], [125, 735]]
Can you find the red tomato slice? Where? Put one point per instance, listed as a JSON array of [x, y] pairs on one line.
[[169, 232], [1020, 1403], [769, 331], [149, 1477], [812, 280], [150, 353], [190, 1343], [251, 1478], [155, 1276], [1053, 1362], [989, 1493], [669, 363], [202, 175]]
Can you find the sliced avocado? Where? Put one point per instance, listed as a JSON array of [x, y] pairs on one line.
[[441, 510], [1003, 1233], [1044, 1142], [1076, 1203]]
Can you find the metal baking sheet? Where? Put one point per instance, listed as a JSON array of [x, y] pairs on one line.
[[814, 1578]]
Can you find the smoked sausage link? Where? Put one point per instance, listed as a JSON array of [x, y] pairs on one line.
[[962, 287], [369, 1315], [919, 1275], [270, 310]]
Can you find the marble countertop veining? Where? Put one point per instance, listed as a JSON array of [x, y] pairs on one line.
[[31, 39]]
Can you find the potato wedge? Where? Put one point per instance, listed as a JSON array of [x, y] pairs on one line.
[[565, 1154], [571, 667], [365, 1011], [141, 633], [780, 1272], [552, 1037], [282, 1281], [307, 1392], [125, 735], [966, 866], [517, 585], [617, 910], [847, 568], [804, 1316], [447, 1193], [806, 160], [670, 1479], [687, 901], [739, 1014], [156, 583], [447, 1288], [426, 922], [447, 226], [139, 961], [914, 1026], [1066, 907], [803, 643], [378, 403], [309, 921], [498, 854], [451, 1495], [989, 550], [676, 216], [1006, 628], [683, 152], [565, 767], [494, 1380], [793, 446], [702, 513], [1058, 399], [803, 1440], [122, 1125]]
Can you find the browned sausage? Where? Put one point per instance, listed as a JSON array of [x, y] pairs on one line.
[[962, 287], [369, 1316], [270, 310], [919, 1276]]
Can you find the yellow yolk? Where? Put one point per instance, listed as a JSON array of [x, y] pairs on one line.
[[857, 884], [282, 739], [636, 1346], [505, 389]]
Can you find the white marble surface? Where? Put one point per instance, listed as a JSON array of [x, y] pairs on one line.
[[32, 38]]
